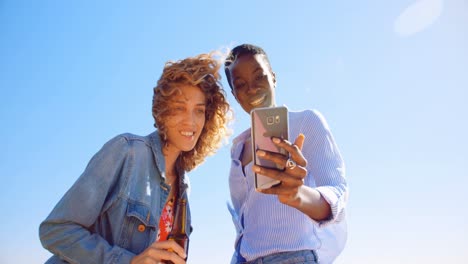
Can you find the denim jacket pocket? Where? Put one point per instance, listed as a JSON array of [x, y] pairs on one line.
[[139, 229]]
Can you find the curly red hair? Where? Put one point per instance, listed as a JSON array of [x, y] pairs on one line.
[[201, 71]]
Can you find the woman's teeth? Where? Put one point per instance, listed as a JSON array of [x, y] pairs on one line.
[[187, 134], [258, 101]]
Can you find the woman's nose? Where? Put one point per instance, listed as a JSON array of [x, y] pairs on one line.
[[190, 118], [252, 89]]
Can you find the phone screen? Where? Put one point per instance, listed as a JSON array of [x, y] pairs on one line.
[[268, 122]]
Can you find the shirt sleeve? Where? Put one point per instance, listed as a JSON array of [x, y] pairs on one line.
[[65, 232], [325, 165]]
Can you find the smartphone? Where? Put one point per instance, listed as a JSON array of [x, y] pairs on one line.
[[268, 122]]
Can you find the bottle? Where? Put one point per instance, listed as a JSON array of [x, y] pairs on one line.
[[178, 232]]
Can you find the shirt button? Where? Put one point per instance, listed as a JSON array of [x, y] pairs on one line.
[[141, 228]]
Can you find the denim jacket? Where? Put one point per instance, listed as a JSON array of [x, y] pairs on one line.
[[111, 213]]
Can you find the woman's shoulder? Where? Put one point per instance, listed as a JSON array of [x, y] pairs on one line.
[[129, 140], [313, 116]]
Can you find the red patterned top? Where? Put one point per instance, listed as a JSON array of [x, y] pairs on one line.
[[166, 220]]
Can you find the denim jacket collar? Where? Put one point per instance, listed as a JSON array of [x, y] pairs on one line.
[[156, 146]]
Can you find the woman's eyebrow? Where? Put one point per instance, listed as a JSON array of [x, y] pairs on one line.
[[201, 103], [257, 70]]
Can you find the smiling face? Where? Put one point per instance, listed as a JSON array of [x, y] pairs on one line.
[[186, 119], [252, 82]]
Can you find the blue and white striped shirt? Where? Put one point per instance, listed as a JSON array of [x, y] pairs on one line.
[[266, 226]]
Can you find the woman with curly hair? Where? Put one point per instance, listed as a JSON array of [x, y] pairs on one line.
[[120, 209]]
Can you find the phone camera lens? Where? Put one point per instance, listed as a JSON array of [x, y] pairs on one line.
[[270, 120]]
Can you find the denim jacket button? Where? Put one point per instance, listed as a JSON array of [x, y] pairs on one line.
[[141, 228]]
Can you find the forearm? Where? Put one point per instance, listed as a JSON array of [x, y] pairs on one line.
[[75, 244], [310, 202]]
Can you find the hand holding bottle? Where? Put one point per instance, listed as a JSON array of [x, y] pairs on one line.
[[158, 252]]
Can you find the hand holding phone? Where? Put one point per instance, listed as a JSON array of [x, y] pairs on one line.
[[268, 122]]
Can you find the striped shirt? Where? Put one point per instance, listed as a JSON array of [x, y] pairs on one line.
[[264, 225]]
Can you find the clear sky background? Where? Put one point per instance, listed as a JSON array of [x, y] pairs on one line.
[[391, 78]]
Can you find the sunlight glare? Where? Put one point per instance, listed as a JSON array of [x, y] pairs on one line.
[[418, 17]]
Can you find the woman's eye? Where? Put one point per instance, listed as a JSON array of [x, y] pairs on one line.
[[240, 85], [260, 77], [201, 111]]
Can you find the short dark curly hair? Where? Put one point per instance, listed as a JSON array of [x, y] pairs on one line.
[[243, 49], [200, 71]]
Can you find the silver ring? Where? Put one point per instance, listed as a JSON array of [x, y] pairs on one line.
[[290, 164]]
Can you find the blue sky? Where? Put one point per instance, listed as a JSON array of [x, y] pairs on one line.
[[389, 76]]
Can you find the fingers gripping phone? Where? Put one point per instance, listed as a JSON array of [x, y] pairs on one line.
[[268, 122]]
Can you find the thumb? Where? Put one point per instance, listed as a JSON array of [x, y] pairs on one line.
[[299, 141]]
